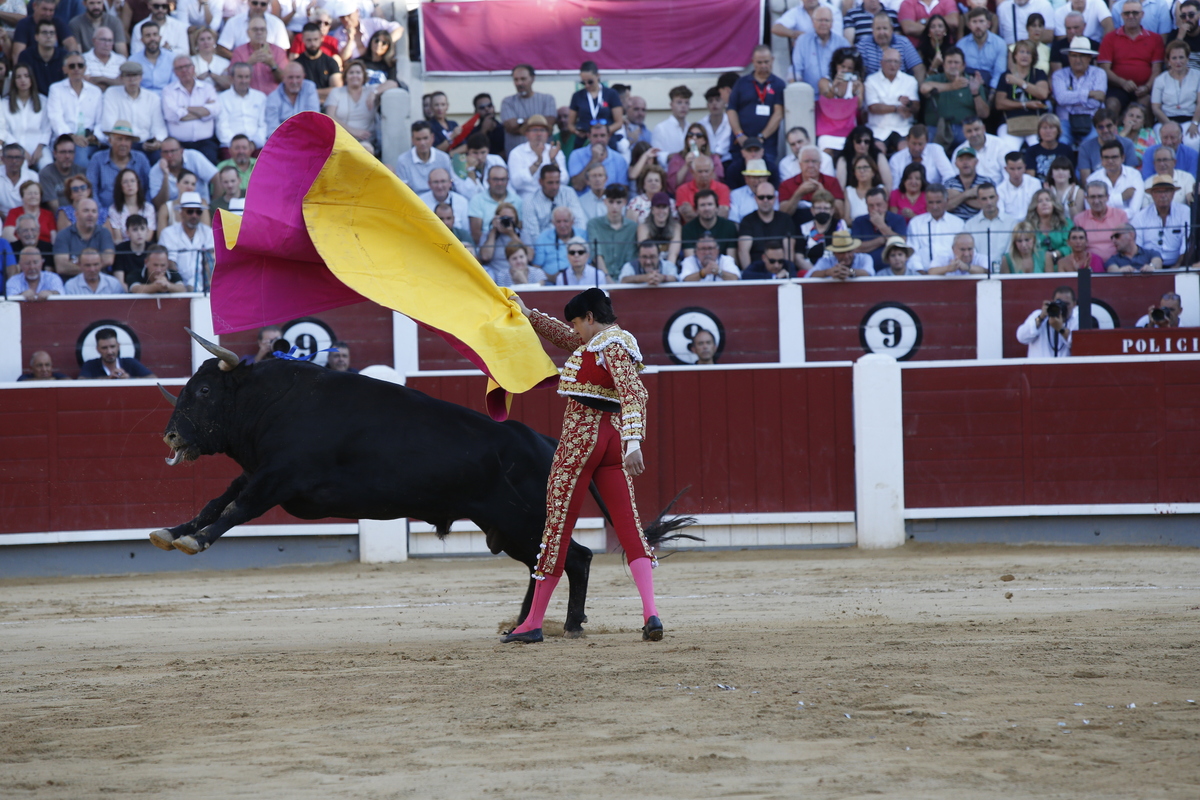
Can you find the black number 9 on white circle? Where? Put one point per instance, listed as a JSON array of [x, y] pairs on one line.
[[891, 328]]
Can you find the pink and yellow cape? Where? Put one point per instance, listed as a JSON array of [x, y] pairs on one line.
[[327, 225]]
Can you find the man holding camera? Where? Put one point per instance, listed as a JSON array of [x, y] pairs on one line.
[[1047, 331], [1163, 316]]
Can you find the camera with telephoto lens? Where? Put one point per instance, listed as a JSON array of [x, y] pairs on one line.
[[1057, 308], [1159, 315]]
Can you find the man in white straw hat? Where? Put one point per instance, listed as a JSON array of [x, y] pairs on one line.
[[106, 165], [1079, 90], [842, 259], [897, 258]]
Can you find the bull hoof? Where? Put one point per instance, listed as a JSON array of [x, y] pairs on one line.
[[163, 540], [189, 545], [579, 634]]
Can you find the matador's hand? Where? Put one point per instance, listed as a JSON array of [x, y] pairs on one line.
[[634, 464]]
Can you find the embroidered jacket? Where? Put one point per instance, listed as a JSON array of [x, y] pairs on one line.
[[605, 368]]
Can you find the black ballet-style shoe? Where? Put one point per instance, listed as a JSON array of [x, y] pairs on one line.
[[528, 637], [652, 631]]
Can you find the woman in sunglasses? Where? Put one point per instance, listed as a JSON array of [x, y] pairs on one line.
[[679, 165], [580, 272], [861, 142], [77, 188], [593, 102]]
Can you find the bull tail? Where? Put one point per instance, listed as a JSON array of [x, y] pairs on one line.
[[668, 529], [664, 528]]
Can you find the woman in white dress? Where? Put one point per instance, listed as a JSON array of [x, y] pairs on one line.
[[352, 105], [24, 115]]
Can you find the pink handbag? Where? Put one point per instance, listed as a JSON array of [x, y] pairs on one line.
[[836, 116]]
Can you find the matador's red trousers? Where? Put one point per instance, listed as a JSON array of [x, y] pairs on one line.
[[590, 449]]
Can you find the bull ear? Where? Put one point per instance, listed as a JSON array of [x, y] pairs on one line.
[[172, 399], [229, 359]]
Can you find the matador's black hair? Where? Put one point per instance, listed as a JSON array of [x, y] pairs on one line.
[[593, 300]]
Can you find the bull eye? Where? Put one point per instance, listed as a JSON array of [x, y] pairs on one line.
[[203, 390]]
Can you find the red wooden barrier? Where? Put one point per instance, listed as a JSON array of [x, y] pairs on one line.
[[834, 312], [92, 458], [1049, 434], [759, 440], [78, 458], [1128, 295], [55, 327], [749, 315]]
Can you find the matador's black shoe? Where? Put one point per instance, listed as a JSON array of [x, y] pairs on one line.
[[652, 631], [528, 637]]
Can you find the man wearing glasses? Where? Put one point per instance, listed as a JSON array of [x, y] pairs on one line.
[[103, 66], [26, 32], [1105, 123], [189, 242], [74, 107], [46, 58], [173, 34], [1132, 57], [87, 25], [764, 225], [237, 29], [190, 108], [16, 172]]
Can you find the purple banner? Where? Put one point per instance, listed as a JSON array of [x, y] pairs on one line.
[[481, 36]]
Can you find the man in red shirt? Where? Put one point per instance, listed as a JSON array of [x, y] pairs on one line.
[[702, 172], [1100, 220], [1132, 57], [801, 186]]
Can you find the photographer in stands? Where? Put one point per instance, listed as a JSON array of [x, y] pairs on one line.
[[1047, 331], [1165, 315]]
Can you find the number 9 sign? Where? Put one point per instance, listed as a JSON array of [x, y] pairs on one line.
[[891, 328]]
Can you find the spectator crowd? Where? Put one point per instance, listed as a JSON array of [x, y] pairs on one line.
[[968, 139], [1024, 136], [128, 123]]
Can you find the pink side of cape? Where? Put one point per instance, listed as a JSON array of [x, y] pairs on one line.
[[275, 274]]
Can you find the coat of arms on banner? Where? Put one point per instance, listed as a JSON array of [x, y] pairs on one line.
[[591, 35]]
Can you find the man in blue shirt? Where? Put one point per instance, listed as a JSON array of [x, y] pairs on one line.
[[814, 51], [597, 152], [755, 109], [550, 247], [158, 68], [1172, 137], [294, 95], [875, 227], [984, 51]]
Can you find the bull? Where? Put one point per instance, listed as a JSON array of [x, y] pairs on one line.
[[321, 444]]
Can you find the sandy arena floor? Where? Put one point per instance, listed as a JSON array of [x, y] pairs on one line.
[[911, 674]]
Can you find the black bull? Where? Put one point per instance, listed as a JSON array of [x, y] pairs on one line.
[[333, 444]]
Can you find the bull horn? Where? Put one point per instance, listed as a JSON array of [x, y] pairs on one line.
[[229, 359], [172, 399]]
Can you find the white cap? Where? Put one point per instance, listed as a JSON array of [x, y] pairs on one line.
[[190, 200]]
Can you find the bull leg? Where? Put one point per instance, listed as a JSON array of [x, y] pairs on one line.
[[578, 566], [164, 538], [258, 495]]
